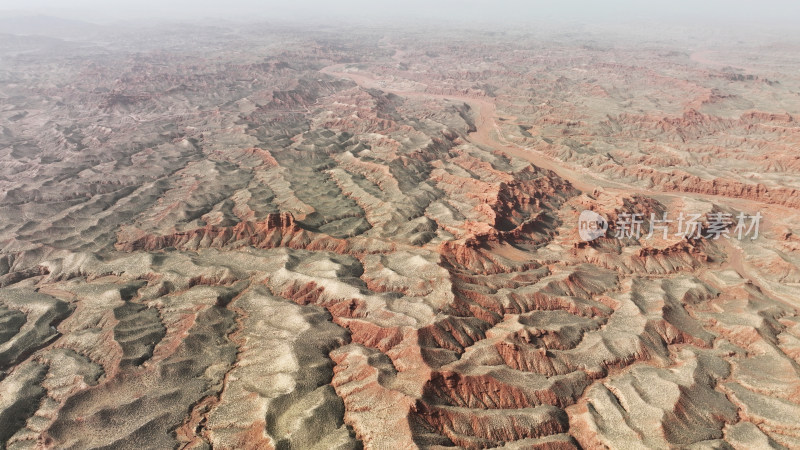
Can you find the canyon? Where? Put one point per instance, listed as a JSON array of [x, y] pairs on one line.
[[270, 237]]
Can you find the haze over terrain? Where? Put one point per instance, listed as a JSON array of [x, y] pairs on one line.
[[710, 13], [345, 225]]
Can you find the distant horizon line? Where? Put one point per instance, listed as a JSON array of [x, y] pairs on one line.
[[399, 23]]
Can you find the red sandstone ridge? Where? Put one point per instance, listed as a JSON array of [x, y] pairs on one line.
[[264, 155], [778, 196], [276, 230]]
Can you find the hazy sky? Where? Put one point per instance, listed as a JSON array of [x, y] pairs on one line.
[[714, 12]]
